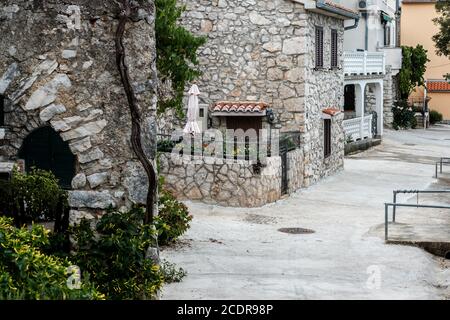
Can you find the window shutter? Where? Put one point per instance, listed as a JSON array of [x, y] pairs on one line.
[[327, 137], [334, 48], [319, 47]]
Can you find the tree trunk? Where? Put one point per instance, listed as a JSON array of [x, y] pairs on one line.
[[136, 142]]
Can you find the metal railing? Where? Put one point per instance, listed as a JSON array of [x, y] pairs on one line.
[[394, 205], [440, 163]]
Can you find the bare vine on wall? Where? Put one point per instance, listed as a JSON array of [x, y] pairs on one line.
[[128, 10]]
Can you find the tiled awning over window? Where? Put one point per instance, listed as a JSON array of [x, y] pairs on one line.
[[438, 86], [242, 108], [331, 111]]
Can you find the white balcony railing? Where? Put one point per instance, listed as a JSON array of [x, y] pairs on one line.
[[358, 128], [364, 62]]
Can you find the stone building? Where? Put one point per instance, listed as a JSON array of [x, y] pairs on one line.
[[263, 58], [63, 105]]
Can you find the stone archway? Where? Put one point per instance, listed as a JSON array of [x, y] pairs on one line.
[[44, 149]]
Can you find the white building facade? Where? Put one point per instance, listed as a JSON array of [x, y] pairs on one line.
[[372, 60]]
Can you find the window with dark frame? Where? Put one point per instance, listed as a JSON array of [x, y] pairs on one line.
[[334, 48], [319, 47], [387, 35], [2, 111], [327, 137], [201, 113]]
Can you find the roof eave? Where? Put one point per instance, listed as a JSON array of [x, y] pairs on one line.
[[320, 6]]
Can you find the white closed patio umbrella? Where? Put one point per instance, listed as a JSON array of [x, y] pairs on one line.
[[192, 112]]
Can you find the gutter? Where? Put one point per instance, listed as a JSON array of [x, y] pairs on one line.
[[355, 25]]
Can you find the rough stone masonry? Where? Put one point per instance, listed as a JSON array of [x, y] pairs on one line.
[[58, 69]]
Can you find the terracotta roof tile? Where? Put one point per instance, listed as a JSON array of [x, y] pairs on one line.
[[438, 86], [331, 111], [239, 106]]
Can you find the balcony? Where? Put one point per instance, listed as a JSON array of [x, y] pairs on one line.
[[364, 63], [358, 128], [393, 58]]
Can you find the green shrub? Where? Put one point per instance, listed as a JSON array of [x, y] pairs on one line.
[[171, 272], [176, 50], [27, 273], [34, 197], [173, 218], [404, 116], [114, 255], [435, 117]]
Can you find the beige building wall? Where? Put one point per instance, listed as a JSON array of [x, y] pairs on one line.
[[417, 27]]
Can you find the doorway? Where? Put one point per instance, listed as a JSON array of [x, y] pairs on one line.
[[45, 149]]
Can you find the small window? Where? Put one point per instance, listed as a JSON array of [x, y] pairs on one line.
[[334, 48], [319, 47], [2, 111], [201, 113], [327, 137], [387, 35]]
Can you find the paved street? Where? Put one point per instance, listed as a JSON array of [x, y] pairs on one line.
[[234, 253]]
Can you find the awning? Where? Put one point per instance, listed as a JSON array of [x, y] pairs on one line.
[[328, 113], [239, 108], [385, 17]]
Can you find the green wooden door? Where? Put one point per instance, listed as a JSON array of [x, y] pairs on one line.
[[45, 149]]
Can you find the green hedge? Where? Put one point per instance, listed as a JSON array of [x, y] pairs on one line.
[[173, 218], [27, 273], [114, 253], [435, 117], [34, 197]]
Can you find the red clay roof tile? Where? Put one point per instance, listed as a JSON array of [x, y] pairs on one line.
[[239, 106], [438, 86], [331, 111]]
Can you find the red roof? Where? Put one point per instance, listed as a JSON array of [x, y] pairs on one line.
[[239, 106], [331, 111], [438, 86]]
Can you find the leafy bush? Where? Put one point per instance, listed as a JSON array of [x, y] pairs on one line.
[[435, 117], [114, 253], [34, 197], [171, 272], [173, 218], [413, 68], [404, 116], [27, 273]]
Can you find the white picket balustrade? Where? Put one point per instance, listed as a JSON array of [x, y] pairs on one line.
[[364, 62]]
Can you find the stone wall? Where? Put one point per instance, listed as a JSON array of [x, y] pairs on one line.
[[58, 69], [324, 89], [255, 51], [389, 96], [261, 50], [236, 183]]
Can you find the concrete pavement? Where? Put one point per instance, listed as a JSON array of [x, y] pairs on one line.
[[238, 253]]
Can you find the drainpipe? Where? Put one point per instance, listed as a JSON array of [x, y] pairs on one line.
[[366, 31], [355, 25], [397, 22]]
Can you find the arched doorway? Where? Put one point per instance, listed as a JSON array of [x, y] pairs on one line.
[[45, 149]]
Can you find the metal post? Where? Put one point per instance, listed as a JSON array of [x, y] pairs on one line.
[[395, 207], [441, 165], [436, 169], [386, 222]]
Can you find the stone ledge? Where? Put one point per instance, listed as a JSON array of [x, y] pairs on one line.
[[361, 145]]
